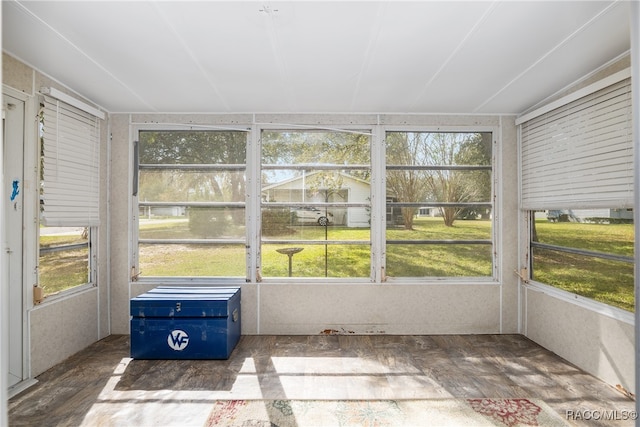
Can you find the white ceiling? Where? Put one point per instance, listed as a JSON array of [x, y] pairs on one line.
[[316, 56]]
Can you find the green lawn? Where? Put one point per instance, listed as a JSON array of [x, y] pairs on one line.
[[62, 270], [603, 280], [319, 260]]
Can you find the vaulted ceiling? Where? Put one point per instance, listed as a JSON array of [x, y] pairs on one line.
[[316, 56]]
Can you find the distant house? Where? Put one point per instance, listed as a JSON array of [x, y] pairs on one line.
[[586, 215], [162, 211], [348, 190]]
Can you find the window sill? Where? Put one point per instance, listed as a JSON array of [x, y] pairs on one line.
[[237, 281], [584, 302], [66, 294]]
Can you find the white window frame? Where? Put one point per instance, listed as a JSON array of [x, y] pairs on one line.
[[365, 129], [134, 222], [91, 209], [527, 216], [378, 205], [496, 209]]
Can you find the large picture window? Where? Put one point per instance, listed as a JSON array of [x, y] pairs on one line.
[[191, 199], [308, 203], [315, 203], [439, 209]]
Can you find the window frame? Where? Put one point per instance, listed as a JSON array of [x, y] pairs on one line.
[[92, 275], [527, 213], [496, 213], [364, 130], [91, 209], [378, 204], [574, 298], [134, 224]]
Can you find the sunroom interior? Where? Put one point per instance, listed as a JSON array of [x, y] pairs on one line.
[[214, 135]]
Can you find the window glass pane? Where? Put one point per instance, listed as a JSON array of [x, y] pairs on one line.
[[603, 280], [192, 260], [64, 258], [191, 196], [192, 147], [315, 260], [438, 148], [445, 185], [602, 230], [412, 260], [191, 186], [305, 223], [439, 204], [316, 188], [588, 252], [430, 226], [191, 223], [315, 147]]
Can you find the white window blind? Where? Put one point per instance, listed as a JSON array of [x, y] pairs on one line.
[[580, 155], [71, 148]]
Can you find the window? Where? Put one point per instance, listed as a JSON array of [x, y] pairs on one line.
[[588, 252], [439, 209], [577, 189], [299, 202], [69, 196], [65, 260], [191, 199], [315, 203]]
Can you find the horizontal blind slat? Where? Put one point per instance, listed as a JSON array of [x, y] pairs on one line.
[[580, 155], [70, 189]]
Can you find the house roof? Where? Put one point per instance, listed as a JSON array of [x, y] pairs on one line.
[[454, 57], [299, 178]]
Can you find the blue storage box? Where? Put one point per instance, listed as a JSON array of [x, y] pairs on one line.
[[185, 323]]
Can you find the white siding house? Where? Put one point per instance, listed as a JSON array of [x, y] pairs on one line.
[[351, 190]]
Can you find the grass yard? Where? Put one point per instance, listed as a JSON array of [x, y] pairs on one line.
[[603, 280], [346, 260], [607, 281], [65, 269]]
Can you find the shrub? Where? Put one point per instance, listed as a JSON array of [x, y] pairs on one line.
[[207, 222]]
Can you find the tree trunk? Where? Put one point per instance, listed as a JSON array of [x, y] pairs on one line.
[[449, 215], [407, 216]]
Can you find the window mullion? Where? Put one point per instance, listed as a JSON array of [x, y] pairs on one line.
[[378, 208], [253, 220]]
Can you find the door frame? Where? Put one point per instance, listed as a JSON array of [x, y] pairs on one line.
[[30, 203]]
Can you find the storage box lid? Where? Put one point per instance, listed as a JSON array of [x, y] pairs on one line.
[[168, 301]]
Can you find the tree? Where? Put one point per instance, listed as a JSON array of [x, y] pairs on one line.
[[429, 170], [315, 156], [455, 185], [406, 185], [192, 185]]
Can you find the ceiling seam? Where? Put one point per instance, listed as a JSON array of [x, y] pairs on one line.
[[454, 52], [274, 41], [366, 63], [193, 57], [83, 53], [543, 57]]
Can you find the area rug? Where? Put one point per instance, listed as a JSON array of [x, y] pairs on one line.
[[374, 413]]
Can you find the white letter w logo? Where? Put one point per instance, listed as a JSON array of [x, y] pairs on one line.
[[178, 340]]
